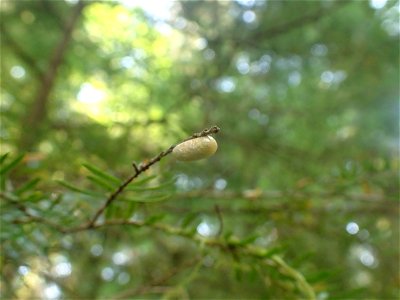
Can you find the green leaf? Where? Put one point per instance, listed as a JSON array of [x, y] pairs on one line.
[[102, 183], [154, 219], [117, 211], [188, 219], [11, 196], [55, 202], [99, 173], [248, 240], [323, 275], [36, 196], [238, 272], [27, 186], [128, 210], [3, 157], [110, 211], [151, 199], [76, 189], [150, 188], [142, 180], [8, 167], [274, 250]]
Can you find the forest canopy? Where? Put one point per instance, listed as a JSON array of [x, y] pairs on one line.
[[301, 199]]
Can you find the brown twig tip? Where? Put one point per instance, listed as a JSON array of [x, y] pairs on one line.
[[135, 167], [214, 129], [205, 132]]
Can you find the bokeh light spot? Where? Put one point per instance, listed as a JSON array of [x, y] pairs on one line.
[[249, 16], [17, 72], [352, 228]]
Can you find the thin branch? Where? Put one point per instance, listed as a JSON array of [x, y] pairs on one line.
[[140, 169], [301, 282], [134, 165]]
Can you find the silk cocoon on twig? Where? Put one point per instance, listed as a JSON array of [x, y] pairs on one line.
[[195, 149]]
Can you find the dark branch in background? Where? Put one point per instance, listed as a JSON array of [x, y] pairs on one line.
[[38, 111], [138, 170]]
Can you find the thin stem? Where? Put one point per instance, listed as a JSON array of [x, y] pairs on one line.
[[302, 284], [140, 169]]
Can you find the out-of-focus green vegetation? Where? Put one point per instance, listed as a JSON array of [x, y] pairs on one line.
[[300, 200]]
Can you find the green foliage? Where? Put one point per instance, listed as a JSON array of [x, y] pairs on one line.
[[8, 167], [300, 201]]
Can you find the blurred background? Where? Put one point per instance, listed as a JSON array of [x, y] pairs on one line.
[[305, 93]]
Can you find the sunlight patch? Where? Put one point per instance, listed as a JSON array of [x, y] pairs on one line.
[[90, 94]]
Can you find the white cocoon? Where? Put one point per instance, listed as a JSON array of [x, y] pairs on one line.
[[195, 149]]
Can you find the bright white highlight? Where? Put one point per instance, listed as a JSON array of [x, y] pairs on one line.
[[204, 229], [52, 292], [107, 274], [352, 228], [120, 258], [377, 4], [17, 72], [62, 269], [249, 16], [89, 94], [159, 10]]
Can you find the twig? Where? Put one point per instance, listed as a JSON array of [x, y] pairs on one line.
[[140, 169], [302, 284]]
